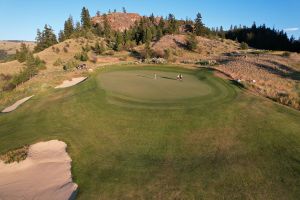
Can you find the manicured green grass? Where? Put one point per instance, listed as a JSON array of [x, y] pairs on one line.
[[231, 145]]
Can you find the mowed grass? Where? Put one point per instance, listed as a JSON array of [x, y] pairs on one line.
[[234, 146]]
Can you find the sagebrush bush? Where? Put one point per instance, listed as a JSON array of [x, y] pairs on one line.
[[244, 46]]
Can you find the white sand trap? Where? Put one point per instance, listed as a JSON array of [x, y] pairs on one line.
[[16, 105], [45, 174], [71, 83]]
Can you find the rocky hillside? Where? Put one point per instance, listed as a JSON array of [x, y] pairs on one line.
[[118, 21]]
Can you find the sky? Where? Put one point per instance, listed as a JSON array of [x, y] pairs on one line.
[[21, 18]]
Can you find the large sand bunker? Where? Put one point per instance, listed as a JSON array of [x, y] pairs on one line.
[[45, 174], [73, 82], [16, 105]]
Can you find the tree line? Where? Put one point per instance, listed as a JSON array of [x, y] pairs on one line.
[[262, 37]]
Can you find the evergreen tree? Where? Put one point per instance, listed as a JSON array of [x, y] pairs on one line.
[[118, 42], [69, 28], [191, 42], [199, 26], [106, 26], [45, 39], [172, 24], [61, 36], [98, 14], [86, 19], [124, 10]]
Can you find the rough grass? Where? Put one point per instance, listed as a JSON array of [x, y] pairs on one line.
[[16, 155], [238, 147]]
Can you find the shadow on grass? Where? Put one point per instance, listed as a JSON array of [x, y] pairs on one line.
[[169, 78], [144, 76], [235, 83]]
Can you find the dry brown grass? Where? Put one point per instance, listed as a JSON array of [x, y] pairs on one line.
[[207, 48], [10, 47], [275, 76], [16, 155]]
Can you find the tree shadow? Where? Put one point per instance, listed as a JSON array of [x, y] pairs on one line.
[[144, 76], [169, 78], [283, 70], [180, 44]]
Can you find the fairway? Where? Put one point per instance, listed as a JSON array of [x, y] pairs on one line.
[[217, 142]]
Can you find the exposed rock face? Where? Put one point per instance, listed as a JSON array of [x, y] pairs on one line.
[[118, 21]]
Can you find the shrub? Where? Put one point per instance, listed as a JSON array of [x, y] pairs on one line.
[[23, 53], [33, 65], [57, 50], [65, 49], [8, 86], [109, 53], [99, 48], [16, 155], [167, 54], [71, 64], [286, 54], [58, 62], [81, 56], [244, 46]]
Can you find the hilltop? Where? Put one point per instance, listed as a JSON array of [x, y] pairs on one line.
[[118, 21]]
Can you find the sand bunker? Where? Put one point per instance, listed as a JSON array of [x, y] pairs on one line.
[[16, 105], [45, 174], [73, 82]]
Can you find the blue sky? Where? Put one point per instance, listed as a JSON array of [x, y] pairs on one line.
[[21, 18]]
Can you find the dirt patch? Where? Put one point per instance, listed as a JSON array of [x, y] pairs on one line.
[[45, 174]]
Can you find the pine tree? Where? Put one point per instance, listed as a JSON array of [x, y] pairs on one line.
[[61, 36], [118, 42], [98, 14], [172, 24], [124, 10], [86, 19], [69, 28], [45, 39], [106, 27], [191, 42], [199, 26]]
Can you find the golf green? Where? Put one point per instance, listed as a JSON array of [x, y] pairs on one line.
[[142, 84], [217, 142]]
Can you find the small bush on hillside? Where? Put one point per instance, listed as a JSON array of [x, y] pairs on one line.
[[286, 54], [65, 49], [109, 53], [99, 48], [86, 48], [81, 56], [167, 54], [57, 50], [70, 65], [23, 53], [58, 62], [33, 65], [244, 46]]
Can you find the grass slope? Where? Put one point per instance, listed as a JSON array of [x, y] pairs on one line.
[[237, 146]]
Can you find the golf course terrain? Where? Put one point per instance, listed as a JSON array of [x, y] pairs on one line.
[[133, 136]]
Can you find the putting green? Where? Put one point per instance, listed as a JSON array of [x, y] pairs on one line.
[[140, 87]]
